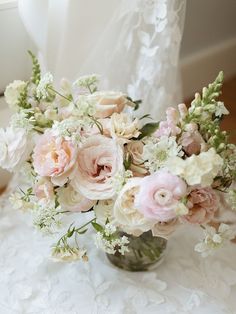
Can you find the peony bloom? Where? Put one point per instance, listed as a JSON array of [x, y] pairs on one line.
[[12, 93], [54, 157], [106, 103], [192, 141], [15, 148], [159, 195], [73, 201], [123, 127], [43, 190], [197, 170], [202, 204], [99, 159], [126, 215]]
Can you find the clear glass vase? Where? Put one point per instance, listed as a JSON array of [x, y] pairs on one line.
[[146, 252]]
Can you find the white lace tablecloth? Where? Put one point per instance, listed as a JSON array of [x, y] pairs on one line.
[[31, 283]]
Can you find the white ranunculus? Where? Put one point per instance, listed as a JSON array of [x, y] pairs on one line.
[[73, 201], [198, 169], [15, 148], [126, 215], [13, 91], [123, 127]]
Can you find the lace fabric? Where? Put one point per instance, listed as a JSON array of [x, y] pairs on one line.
[[32, 283], [134, 45]]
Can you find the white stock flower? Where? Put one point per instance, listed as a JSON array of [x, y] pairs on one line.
[[42, 88], [15, 148], [122, 126], [158, 154], [214, 239], [220, 109], [126, 215], [13, 91], [198, 169]]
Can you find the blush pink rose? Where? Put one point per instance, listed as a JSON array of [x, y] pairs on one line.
[[99, 159], [54, 157], [159, 195], [169, 127], [202, 204]]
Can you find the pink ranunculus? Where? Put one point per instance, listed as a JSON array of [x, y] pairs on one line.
[[99, 159], [169, 127], [202, 204], [43, 190], [54, 157], [192, 141], [159, 195]]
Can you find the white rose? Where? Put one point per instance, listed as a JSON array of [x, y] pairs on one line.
[[198, 169], [15, 148], [126, 215], [73, 201], [122, 126], [13, 91], [135, 151]]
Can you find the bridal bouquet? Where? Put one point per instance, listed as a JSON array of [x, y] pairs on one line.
[[86, 150]]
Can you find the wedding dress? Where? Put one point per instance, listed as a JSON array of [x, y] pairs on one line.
[[132, 44]]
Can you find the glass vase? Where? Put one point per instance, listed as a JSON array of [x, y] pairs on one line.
[[146, 252]]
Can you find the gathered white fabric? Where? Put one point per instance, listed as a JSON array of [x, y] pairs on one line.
[[32, 283], [133, 45]]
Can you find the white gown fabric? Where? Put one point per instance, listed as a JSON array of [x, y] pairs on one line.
[[185, 283], [132, 44]]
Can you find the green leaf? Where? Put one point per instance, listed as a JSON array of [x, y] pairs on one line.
[[97, 227], [82, 232], [148, 129], [70, 232]]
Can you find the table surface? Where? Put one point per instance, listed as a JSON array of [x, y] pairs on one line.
[[32, 283]]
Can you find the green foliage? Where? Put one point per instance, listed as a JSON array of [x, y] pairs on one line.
[[148, 129], [36, 71]]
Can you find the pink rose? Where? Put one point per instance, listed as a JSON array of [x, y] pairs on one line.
[[54, 157], [169, 127], [159, 195], [192, 141], [99, 159], [202, 204], [108, 102], [43, 190]]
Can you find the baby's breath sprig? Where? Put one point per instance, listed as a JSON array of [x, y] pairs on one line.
[[89, 82]]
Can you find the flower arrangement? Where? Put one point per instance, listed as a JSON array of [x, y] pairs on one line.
[[86, 150]]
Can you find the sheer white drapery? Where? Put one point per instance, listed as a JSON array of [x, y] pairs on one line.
[[134, 45]]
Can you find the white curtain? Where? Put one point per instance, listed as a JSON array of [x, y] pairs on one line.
[[133, 44]]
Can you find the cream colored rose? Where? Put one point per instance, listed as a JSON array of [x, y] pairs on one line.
[[122, 126], [165, 229], [106, 103], [73, 201], [126, 215], [12, 93], [134, 149]]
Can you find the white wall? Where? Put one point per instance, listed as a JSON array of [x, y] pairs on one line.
[[209, 42]]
